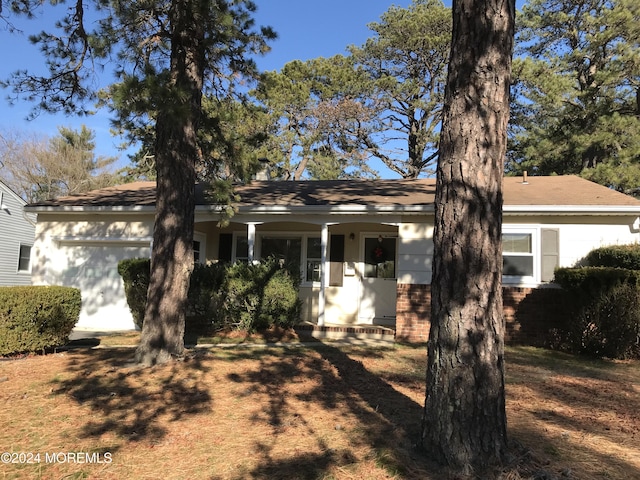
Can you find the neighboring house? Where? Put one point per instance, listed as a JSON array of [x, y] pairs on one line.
[[17, 233], [364, 248]]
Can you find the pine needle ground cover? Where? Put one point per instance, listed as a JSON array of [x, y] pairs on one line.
[[328, 412]]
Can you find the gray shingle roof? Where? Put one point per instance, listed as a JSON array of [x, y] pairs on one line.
[[539, 191]]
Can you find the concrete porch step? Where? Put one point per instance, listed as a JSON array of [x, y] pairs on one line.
[[340, 332]]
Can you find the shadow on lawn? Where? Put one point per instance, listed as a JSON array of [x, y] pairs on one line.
[[386, 420], [129, 401], [587, 401]]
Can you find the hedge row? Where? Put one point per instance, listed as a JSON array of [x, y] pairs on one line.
[[615, 256], [604, 306], [33, 318], [247, 297], [591, 280]]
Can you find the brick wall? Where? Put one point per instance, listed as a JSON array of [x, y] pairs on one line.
[[529, 313], [413, 311]]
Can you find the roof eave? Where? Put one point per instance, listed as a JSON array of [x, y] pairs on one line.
[[346, 209], [91, 209], [618, 210]]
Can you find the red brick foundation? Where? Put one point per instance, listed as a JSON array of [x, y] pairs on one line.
[[529, 313], [413, 312]]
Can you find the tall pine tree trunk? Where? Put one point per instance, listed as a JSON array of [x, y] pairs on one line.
[[464, 417], [176, 153]]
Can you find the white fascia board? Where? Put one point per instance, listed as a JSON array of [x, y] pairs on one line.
[[350, 209], [95, 210], [336, 209], [621, 210]]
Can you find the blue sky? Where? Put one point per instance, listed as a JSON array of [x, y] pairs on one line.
[[305, 30]]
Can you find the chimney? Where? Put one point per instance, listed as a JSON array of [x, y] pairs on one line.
[[524, 178], [264, 172]]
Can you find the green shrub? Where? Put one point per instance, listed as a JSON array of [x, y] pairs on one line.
[[248, 297], [262, 295], [604, 306], [616, 256], [610, 325], [206, 298], [35, 318], [135, 275], [589, 281]]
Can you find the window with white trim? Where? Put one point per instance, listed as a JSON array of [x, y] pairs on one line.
[[196, 251], [287, 250], [314, 259], [299, 252], [380, 259], [241, 249], [24, 259], [199, 247], [520, 255]]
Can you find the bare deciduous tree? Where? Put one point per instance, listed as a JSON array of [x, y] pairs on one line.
[[39, 168]]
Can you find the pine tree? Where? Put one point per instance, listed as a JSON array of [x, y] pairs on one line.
[[165, 55], [464, 415], [577, 108]]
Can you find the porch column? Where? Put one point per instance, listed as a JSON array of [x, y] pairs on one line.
[[251, 241], [324, 272]]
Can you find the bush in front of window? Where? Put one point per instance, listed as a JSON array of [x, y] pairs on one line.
[[260, 296], [243, 296], [33, 318], [615, 256], [605, 312]]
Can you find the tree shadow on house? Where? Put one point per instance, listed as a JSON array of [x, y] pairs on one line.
[[130, 401]]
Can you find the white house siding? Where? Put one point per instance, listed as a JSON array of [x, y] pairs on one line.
[[578, 235], [577, 240], [15, 230], [415, 251]]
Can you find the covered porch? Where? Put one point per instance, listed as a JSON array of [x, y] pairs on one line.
[[349, 267]]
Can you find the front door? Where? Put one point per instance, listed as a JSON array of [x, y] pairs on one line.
[[377, 302]]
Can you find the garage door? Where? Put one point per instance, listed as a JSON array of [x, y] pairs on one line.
[[94, 270]]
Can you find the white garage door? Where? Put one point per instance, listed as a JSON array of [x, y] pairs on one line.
[[94, 270]]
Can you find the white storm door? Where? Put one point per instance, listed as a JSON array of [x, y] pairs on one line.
[[377, 301]]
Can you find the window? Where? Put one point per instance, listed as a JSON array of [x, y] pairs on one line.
[[24, 258], [380, 257], [517, 254], [199, 247], [314, 257], [300, 253], [196, 251], [286, 250], [242, 249]]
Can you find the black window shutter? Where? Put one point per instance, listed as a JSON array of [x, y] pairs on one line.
[[336, 260], [225, 247]]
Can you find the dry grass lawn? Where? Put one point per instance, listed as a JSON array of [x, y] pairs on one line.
[[328, 412]]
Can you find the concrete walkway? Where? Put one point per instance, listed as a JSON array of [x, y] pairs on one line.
[[89, 338], [79, 334]]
